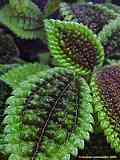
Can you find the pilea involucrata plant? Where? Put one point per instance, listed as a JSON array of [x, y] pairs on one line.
[[48, 116], [48, 113]]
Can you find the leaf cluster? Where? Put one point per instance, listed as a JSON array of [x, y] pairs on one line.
[[48, 113]]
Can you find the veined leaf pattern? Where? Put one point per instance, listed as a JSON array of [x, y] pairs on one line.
[[52, 114], [74, 46], [21, 72], [106, 98]]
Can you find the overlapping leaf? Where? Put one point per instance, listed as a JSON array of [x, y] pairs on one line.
[[48, 117], [106, 97], [25, 21], [21, 73]]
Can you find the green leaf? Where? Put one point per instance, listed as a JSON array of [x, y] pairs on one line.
[[21, 73], [113, 7], [106, 98], [49, 122], [74, 46], [25, 22], [5, 92]]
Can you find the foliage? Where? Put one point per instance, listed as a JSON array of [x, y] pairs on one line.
[[48, 113], [109, 38], [74, 46], [94, 16], [23, 18], [106, 97], [5, 92], [114, 7], [48, 117], [18, 74]]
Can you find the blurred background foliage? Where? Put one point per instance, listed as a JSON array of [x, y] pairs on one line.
[[37, 50]]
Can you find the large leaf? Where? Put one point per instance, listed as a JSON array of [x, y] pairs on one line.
[[48, 117], [74, 46], [106, 97]]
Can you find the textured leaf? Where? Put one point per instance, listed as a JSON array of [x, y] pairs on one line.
[[74, 46], [21, 73], [25, 24], [110, 39], [105, 87], [48, 122], [93, 15], [5, 92], [19, 5]]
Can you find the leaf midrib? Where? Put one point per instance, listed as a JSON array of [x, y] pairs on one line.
[[46, 122]]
